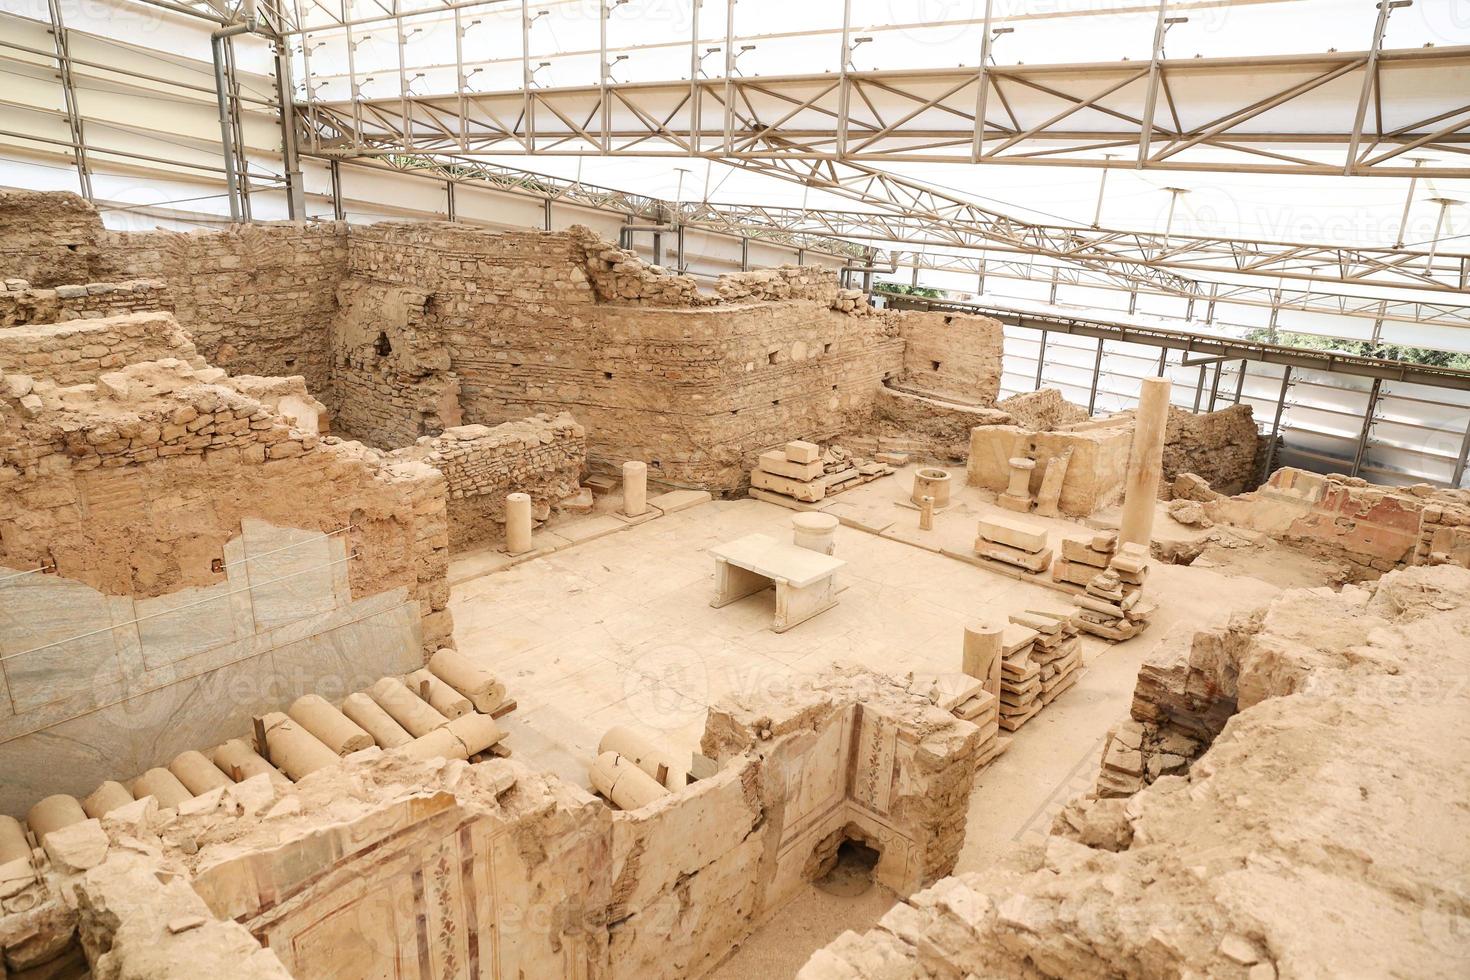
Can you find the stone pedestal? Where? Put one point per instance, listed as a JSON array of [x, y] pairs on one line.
[[1145, 463], [517, 523], [926, 513], [1018, 492], [635, 488], [815, 532]]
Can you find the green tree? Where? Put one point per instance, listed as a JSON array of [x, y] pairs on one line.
[[904, 289], [1363, 348]]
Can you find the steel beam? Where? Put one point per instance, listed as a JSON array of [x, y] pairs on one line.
[[1361, 451]]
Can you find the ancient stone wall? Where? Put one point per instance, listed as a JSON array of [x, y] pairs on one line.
[[51, 239], [166, 539], [390, 377], [694, 391], [1043, 409], [952, 355], [541, 456], [783, 282], [257, 299], [1218, 446], [21, 304], [1370, 528], [1444, 529], [78, 351], [1301, 843]]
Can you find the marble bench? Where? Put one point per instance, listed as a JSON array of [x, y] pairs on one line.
[[803, 578]]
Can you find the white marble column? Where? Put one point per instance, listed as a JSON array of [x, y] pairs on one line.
[[1145, 463], [635, 488], [517, 523]]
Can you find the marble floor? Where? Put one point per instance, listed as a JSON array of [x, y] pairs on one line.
[[619, 630]]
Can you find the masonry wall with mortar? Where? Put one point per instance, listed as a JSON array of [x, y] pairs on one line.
[[1219, 446], [540, 456], [78, 351], [51, 239], [695, 390], [21, 305], [951, 355], [258, 299]]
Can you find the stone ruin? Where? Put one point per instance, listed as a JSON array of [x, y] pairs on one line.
[[245, 474]]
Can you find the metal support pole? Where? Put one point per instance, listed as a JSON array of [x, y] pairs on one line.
[[1040, 360], [695, 108], [1408, 203], [1460, 460], [914, 279], [1054, 272], [981, 290], [844, 88], [1096, 374], [744, 254], [217, 42], [1132, 301], [1199, 388], [449, 199], [1368, 420], [1215, 384], [658, 248], [546, 214], [982, 91], [1151, 98], [334, 169], [1370, 79], [286, 97], [1102, 185], [69, 97], [679, 250], [1240, 380], [801, 256], [729, 75], [1163, 361], [1276, 422]]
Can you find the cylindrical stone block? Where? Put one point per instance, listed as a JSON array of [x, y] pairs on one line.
[[13, 843], [331, 727], [163, 786], [416, 716], [295, 750], [1021, 468], [440, 743], [815, 532], [104, 799], [53, 813], [622, 782], [517, 523], [476, 731], [1145, 463], [931, 481], [370, 716], [635, 488], [443, 698], [646, 755], [485, 691], [237, 757], [197, 773], [982, 653]]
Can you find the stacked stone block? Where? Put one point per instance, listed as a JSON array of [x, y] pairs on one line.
[[22, 304]]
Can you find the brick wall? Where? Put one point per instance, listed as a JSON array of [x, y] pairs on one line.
[[952, 355], [21, 305], [541, 456], [77, 351], [695, 391], [50, 239], [134, 487], [258, 299], [1219, 446]]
